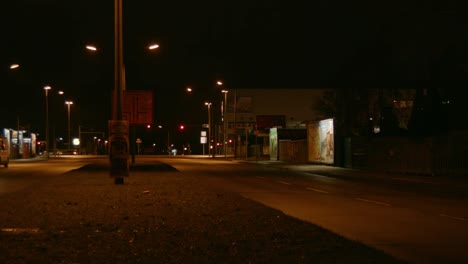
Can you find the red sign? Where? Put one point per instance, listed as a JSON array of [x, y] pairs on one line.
[[138, 107]]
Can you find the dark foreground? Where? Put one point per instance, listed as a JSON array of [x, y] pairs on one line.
[[158, 216]]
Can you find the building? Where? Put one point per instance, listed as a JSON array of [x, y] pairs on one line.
[[250, 113]]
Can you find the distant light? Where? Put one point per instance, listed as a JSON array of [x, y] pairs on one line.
[[224, 91], [153, 46], [89, 47], [14, 66], [60, 92], [68, 102], [47, 87], [76, 142], [219, 83], [189, 89]]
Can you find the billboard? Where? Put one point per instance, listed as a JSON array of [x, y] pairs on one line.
[[321, 142]]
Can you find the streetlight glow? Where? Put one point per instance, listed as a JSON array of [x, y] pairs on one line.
[[14, 66], [89, 47], [219, 83], [153, 46]]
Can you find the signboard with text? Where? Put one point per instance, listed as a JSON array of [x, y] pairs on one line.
[[138, 107]]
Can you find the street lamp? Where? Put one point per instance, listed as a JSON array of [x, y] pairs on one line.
[[91, 48], [153, 46], [14, 66], [46, 89], [224, 120], [208, 104], [69, 103]]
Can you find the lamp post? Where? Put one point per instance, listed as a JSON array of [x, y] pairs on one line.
[[224, 120], [69, 103], [46, 89], [208, 104]]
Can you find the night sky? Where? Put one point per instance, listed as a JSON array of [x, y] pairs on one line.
[[244, 43]]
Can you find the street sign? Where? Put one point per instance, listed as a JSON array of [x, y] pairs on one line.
[[203, 140], [138, 107]]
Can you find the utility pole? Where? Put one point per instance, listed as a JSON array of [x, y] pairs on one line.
[[118, 127]]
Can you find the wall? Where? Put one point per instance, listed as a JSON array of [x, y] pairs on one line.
[[441, 155]]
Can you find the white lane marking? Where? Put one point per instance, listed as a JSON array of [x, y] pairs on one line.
[[455, 217], [317, 190], [282, 182], [371, 201]]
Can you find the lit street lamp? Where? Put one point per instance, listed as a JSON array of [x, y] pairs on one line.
[[91, 48], [153, 46], [14, 66], [46, 89], [69, 103]]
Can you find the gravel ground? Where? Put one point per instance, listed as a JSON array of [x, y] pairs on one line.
[[158, 216]]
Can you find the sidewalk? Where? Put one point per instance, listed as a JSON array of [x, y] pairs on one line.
[[340, 172]]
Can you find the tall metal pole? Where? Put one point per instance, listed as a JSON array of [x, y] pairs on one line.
[[224, 121], [235, 124], [208, 104], [68, 103], [118, 127], [46, 89], [119, 85]]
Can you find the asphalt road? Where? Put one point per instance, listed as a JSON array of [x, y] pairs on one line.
[[415, 219]]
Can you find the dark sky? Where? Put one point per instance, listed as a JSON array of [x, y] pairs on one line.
[[245, 43]]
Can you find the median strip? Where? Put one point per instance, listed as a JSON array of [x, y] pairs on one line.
[[317, 190], [455, 217], [371, 201]]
